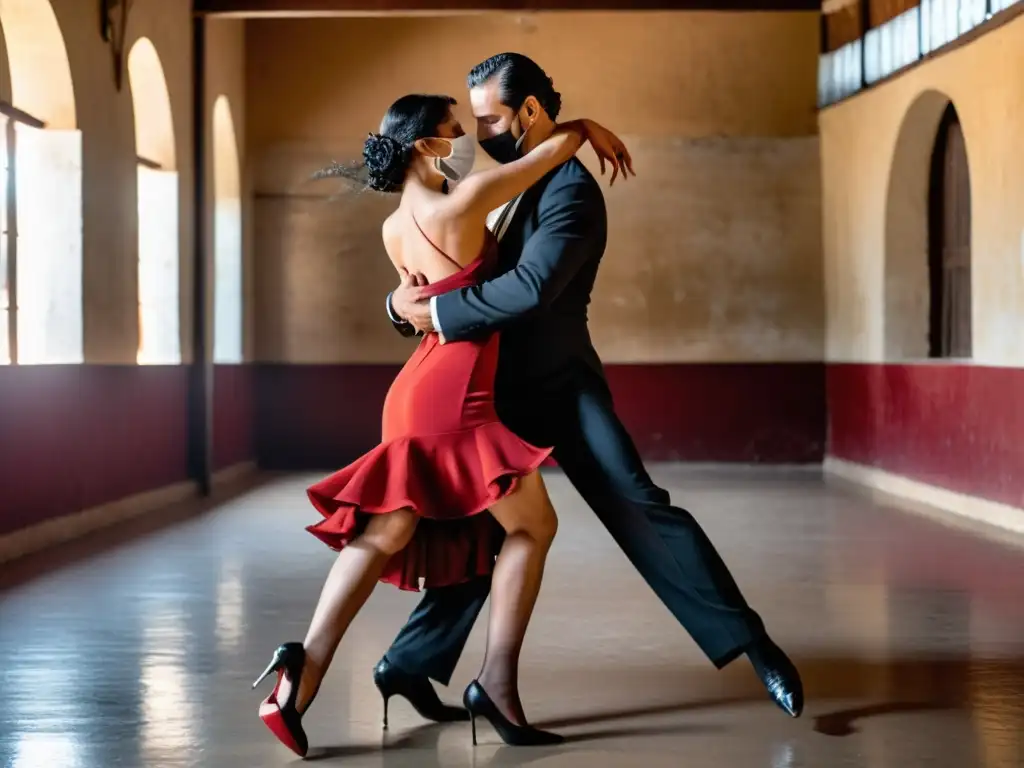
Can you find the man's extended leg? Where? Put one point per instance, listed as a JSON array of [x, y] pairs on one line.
[[431, 642], [665, 543], [428, 647]]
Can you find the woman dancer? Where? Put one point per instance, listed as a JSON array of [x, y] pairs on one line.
[[412, 509]]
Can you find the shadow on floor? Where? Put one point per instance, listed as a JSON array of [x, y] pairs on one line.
[[898, 686], [410, 748], [842, 722]]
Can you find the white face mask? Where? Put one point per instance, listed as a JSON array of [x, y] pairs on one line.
[[460, 162]]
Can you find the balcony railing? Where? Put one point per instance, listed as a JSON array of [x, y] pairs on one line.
[[887, 48]]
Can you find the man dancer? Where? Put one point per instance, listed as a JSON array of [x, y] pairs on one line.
[[551, 391]]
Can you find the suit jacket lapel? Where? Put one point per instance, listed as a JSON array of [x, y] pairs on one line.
[[526, 206], [511, 246]]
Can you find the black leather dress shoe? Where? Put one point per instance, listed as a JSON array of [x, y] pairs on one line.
[[393, 681], [779, 675]]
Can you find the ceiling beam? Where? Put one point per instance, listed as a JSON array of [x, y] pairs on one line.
[[833, 6], [362, 7]]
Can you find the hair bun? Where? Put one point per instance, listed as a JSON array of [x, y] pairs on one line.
[[380, 152], [386, 160]]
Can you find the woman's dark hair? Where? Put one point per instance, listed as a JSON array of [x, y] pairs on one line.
[[386, 155], [519, 77]]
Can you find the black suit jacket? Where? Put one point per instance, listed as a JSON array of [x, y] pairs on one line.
[[539, 294]]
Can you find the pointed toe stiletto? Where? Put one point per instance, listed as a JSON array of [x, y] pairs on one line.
[[479, 704], [283, 719], [417, 690]]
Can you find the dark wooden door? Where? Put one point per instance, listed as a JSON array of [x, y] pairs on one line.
[[950, 243]]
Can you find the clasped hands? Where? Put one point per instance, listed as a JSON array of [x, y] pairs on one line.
[[411, 303]]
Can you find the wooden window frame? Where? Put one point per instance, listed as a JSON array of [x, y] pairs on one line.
[[14, 116]]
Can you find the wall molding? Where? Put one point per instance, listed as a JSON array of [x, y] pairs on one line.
[[941, 504], [61, 530], [234, 474]]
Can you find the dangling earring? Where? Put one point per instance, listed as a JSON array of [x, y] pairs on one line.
[[444, 187]]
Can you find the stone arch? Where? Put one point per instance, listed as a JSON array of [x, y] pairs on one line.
[[227, 226], [151, 101], [41, 82], [42, 140], [159, 263]]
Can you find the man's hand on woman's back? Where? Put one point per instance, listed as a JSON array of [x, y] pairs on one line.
[[410, 303]]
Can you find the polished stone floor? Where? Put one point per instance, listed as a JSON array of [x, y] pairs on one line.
[[910, 636]]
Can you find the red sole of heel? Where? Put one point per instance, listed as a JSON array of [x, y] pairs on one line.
[[270, 714]]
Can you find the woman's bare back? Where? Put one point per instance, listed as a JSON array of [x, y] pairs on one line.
[[421, 240]]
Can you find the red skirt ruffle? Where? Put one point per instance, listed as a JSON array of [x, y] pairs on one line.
[[447, 480]]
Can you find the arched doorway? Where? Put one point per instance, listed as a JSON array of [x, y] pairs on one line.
[[227, 229], [159, 269], [41, 272], [928, 236], [949, 243]]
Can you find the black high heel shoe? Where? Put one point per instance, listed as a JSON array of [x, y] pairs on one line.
[[417, 690], [284, 720], [479, 704]]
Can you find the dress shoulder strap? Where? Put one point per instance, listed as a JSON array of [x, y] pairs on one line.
[[432, 243]]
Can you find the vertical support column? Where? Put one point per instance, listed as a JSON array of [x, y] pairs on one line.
[[12, 242], [201, 374], [920, 31], [865, 25]]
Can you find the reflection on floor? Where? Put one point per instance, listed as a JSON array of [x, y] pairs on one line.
[[910, 637]]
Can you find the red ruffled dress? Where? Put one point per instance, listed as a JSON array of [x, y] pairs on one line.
[[444, 454]]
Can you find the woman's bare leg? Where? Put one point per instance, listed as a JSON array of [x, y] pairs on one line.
[[530, 524], [352, 578]]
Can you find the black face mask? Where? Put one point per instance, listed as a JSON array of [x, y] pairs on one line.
[[503, 148]]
